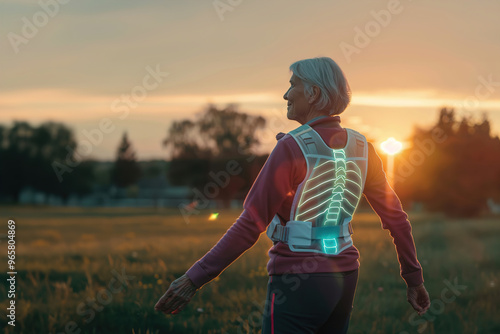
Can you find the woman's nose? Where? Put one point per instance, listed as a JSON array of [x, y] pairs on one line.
[[285, 96]]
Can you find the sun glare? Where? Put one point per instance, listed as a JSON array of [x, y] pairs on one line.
[[391, 146]]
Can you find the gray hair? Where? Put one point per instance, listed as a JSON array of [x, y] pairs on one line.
[[327, 75]]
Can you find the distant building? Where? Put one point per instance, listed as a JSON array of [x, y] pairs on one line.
[[149, 192]]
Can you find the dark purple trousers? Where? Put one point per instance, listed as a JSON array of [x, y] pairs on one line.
[[309, 303]]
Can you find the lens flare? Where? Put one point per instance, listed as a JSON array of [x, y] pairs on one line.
[[391, 146]]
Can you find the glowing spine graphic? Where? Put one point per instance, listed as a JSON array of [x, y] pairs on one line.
[[332, 216]]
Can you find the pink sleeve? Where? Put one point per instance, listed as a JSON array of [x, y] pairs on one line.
[[386, 204], [271, 187]]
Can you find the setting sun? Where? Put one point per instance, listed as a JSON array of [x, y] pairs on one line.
[[391, 146]]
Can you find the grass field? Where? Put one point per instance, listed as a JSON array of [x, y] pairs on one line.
[[68, 260]]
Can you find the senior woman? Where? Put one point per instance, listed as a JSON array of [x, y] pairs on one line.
[[305, 196]]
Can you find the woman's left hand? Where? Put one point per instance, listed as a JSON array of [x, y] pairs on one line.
[[178, 295], [418, 297]]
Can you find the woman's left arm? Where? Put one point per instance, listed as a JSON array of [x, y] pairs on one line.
[[386, 204]]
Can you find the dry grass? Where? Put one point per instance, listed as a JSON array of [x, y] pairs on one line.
[[65, 258]]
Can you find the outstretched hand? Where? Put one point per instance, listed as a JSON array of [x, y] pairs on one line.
[[178, 295], [418, 298]]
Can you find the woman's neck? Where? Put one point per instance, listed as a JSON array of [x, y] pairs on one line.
[[312, 115]]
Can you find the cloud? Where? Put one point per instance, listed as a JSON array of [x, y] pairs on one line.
[[102, 47], [92, 52]]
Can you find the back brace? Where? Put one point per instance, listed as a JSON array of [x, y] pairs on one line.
[[325, 201]]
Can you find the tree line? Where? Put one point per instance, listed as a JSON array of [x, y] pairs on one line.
[[30, 156], [452, 166]]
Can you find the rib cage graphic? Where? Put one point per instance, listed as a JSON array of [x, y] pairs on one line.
[[330, 194]]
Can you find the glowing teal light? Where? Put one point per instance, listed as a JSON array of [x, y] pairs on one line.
[[330, 246], [338, 188]]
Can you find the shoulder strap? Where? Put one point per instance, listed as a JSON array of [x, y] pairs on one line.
[[357, 143], [358, 148], [310, 142], [304, 138]]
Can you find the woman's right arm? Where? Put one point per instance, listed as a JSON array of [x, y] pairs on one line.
[[271, 187]]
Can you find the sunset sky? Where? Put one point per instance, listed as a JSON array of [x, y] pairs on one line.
[[79, 62]]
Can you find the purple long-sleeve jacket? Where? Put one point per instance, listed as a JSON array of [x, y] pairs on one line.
[[273, 192]]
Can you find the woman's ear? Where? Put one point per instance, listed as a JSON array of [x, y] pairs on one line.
[[314, 96]]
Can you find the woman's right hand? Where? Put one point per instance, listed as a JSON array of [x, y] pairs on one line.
[[178, 295]]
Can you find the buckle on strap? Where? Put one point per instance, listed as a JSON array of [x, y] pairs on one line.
[[295, 232], [272, 228], [281, 233]]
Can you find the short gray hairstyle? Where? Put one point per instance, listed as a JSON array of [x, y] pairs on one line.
[[327, 75]]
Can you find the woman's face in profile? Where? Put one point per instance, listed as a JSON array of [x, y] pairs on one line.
[[297, 104]]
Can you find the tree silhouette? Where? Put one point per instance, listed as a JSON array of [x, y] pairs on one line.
[[217, 133], [16, 159], [126, 170], [456, 175], [27, 155], [55, 142], [201, 149]]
